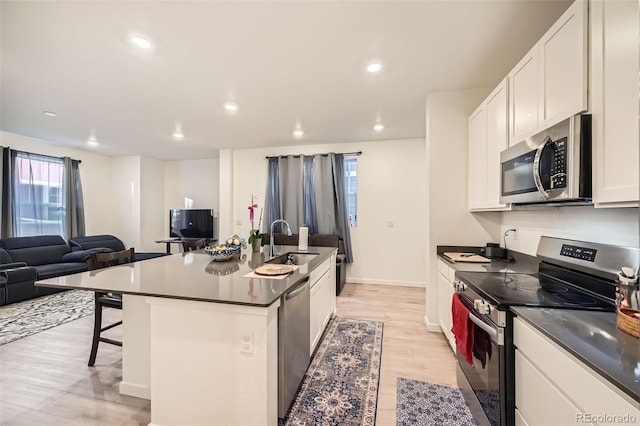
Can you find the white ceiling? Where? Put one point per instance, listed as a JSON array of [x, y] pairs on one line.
[[282, 62]]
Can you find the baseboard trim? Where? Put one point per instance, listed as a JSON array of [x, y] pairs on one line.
[[435, 328], [385, 282], [138, 391]]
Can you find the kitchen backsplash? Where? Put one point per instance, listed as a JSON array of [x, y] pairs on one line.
[[617, 226]]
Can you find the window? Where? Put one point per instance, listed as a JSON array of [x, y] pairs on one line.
[[39, 195], [351, 189]]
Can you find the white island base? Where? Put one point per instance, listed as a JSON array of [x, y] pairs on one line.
[[209, 363]]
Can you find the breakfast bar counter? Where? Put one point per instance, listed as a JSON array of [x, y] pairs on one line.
[[194, 276], [200, 338]]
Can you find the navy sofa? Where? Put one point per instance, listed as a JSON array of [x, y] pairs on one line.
[[24, 260], [109, 242], [44, 256], [16, 279]]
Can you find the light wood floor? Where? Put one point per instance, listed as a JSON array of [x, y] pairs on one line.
[[44, 378]]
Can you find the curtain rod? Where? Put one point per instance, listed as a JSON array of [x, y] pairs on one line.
[[42, 155], [325, 154]]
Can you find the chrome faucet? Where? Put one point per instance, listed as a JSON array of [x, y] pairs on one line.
[[272, 249]]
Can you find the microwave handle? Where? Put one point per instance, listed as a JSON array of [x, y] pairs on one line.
[[536, 169]]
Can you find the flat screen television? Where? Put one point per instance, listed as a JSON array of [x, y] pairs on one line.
[[191, 223]]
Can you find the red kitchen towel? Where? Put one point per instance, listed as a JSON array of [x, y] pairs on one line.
[[462, 328]]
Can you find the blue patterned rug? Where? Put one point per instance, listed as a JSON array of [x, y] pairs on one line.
[[427, 404], [23, 319], [341, 384]]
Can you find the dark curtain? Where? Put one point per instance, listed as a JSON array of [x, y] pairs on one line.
[[290, 169], [272, 200], [310, 191], [342, 218], [74, 199], [7, 227], [26, 210]]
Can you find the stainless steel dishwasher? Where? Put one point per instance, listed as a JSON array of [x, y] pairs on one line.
[[293, 342]]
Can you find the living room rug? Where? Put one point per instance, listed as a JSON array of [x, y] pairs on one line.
[[23, 319], [341, 384], [426, 404]]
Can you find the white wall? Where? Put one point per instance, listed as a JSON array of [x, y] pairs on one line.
[[152, 211], [391, 187], [196, 179], [125, 196], [95, 171], [225, 218], [450, 222], [608, 226]]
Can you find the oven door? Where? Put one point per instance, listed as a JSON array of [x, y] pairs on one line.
[[483, 384]]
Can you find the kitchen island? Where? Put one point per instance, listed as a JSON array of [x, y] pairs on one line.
[[200, 340]]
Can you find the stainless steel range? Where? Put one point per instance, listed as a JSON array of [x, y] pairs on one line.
[[571, 275]]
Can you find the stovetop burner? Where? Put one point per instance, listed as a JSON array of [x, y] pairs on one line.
[[578, 299], [512, 289], [553, 287]]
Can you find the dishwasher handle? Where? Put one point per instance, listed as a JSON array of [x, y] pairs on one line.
[[298, 290]]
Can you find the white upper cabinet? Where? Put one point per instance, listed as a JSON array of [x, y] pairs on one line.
[[563, 58], [488, 135], [497, 141], [550, 83], [478, 158], [615, 31], [523, 98]]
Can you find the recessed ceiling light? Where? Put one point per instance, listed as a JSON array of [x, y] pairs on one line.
[[92, 141], [231, 107], [178, 135], [49, 113], [374, 67], [378, 127], [298, 133], [141, 42]]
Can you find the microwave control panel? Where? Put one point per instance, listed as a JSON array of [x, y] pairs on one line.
[[559, 165]]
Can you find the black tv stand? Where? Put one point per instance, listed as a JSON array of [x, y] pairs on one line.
[[170, 241]]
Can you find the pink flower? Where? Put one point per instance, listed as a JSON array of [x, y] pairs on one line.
[[251, 208]]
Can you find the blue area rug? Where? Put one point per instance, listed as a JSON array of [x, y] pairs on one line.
[[23, 319], [427, 404], [341, 384]]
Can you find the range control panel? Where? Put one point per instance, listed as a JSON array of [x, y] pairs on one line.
[[583, 253]]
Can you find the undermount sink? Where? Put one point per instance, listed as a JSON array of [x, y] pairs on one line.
[[292, 258]]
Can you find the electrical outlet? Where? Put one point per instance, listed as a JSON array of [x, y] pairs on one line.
[[515, 235], [391, 223], [247, 343], [238, 222]]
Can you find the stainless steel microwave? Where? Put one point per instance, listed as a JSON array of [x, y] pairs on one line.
[[554, 166]]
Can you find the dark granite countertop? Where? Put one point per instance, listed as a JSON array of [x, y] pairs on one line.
[[594, 339], [195, 276], [517, 263]]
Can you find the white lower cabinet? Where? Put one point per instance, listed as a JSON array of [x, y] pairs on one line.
[[555, 388], [445, 293], [323, 295]]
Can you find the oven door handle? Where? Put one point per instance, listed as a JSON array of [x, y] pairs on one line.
[[496, 336], [536, 169]]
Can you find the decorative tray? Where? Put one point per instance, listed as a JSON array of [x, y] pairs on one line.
[[273, 270]]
